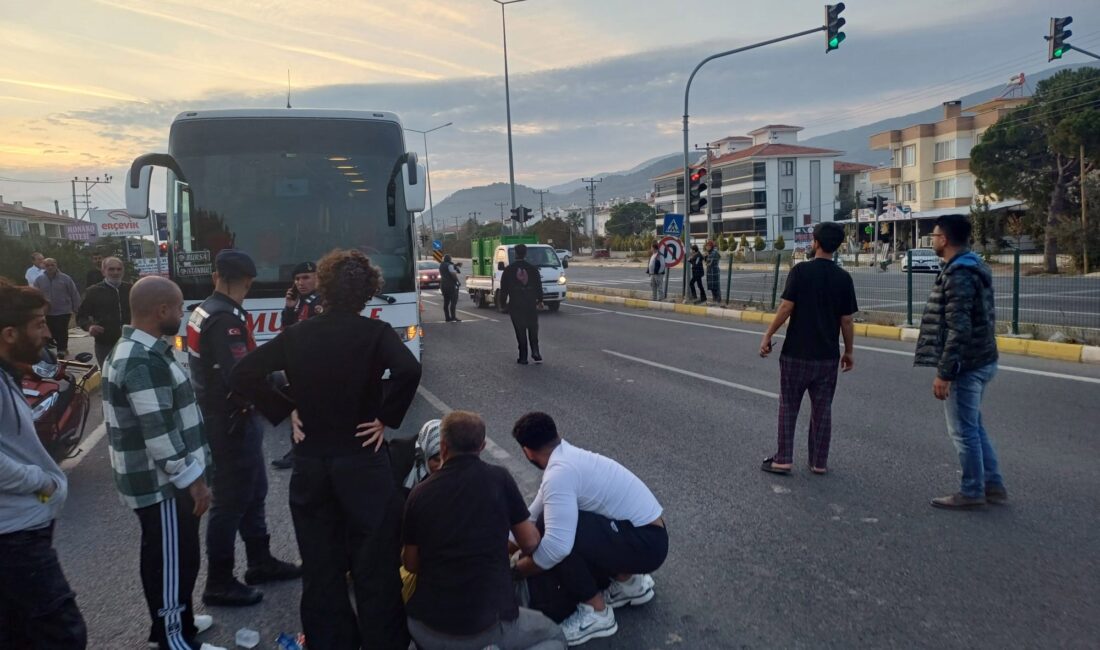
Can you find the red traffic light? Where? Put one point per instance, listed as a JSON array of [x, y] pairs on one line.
[[698, 174], [163, 248]]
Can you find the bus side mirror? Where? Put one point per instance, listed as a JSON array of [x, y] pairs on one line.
[[413, 177], [137, 181]]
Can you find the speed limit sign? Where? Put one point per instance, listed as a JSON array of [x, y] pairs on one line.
[[671, 250]]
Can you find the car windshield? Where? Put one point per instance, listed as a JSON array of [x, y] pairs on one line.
[[427, 266], [543, 256], [923, 252]]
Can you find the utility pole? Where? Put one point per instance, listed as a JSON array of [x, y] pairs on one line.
[[508, 98], [710, 186], [592, 207], [87, 200], [542, 208], [1084, 213], [501, 204]]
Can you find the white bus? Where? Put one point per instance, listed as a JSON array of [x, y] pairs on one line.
[[287, 186]]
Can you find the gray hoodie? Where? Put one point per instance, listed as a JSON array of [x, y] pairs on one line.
[[25, 467]]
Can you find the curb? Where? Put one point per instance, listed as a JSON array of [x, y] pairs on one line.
[[1073, 352]]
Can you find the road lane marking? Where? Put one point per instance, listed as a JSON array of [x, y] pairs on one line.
[[461, 311], [695, 375], [86, 446], [493, 448], [868, 348]]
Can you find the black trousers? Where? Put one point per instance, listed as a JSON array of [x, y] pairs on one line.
[[102, 350], [347, 517], [37, 607], [59, 330], [697, 280], [525, 320], [450, 302], [169, 567], [606, 548], [240, 491]]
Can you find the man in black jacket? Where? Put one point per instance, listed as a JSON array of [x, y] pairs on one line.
[[958, 338], [521, 287], [106, 308], [449, 281]]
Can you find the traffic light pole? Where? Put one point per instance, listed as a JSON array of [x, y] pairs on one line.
[[685, 235]]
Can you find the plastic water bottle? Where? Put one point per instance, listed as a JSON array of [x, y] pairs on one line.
[[287, 642], [247, 638]]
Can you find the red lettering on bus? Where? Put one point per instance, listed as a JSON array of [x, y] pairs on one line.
[[376, 312]]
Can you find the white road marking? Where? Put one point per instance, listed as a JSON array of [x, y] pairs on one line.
[[493, 448], [86, 446], [460, 311], [868, 348], [688, 373]]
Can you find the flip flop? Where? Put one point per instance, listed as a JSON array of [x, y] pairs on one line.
[[818, 470], [767, 467]]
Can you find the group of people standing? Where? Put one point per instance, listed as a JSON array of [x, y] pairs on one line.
[[704, 264]]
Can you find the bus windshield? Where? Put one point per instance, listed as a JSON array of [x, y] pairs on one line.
[[286, 191]]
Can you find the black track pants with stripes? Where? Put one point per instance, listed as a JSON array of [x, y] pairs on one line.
[[169, 567]]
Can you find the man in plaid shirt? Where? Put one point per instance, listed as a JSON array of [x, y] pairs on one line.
[[160, 458]]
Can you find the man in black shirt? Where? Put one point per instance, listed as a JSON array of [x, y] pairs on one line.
[[456, 542], [521, 287], [819, 298], [106, 308], [449, 282]]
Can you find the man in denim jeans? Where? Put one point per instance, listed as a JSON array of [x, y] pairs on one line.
[[958, 338]]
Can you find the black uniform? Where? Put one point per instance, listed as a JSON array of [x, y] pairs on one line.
[[448, 285], [521, 286], [218, 337], [308, 306]]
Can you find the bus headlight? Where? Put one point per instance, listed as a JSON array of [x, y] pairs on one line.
[[407, 333], [180, 344]]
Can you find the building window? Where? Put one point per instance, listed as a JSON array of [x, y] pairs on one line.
[[746, 200], [945, 150], [909, 192], [895, 193], [788, 223], [788, 167], [909, 155], [715, 204], [787, 201], [895, 157], [945, 189], [715, 179]]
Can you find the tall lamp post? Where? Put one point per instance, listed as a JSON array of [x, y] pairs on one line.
[[428, 171], [508, 98]]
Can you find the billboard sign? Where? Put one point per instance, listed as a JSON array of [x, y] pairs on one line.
[[118, 223], [81, 232]]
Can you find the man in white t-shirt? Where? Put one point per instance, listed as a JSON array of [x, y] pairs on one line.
[[36, 268], [603, 530]]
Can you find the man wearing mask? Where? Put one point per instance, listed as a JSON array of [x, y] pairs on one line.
[[106, 308], [217, 338], [302, 302], [449, 281], [37, 606], [521, 286], [60, 291]]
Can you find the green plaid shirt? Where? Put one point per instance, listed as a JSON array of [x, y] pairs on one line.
[[154, 426]]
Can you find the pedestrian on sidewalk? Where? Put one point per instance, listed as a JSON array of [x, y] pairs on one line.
[[819, 299], [449, 283], [656, 272], [455, 536], [958, 339], [160, 458], [35, 269], [521, 287], [94, 274], [218, 337], [714, 272], [37, 606], [105, 308], [697, 272], [603, 530], [344, 498], [64, 299], [302, 302]]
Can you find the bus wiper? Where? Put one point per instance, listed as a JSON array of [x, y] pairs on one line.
[[388, 298]]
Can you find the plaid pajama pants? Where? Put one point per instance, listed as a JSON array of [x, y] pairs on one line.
[[818, 376]]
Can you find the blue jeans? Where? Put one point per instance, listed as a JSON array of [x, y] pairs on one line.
[[964, 424]]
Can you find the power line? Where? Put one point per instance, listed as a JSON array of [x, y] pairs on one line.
[[5, 179]]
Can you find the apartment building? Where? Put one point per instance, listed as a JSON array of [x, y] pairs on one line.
[[765, 184], [16, 220], [930, 163]]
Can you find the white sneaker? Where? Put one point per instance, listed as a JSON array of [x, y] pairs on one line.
[[203, 622], [586, 624], [207, 646], [636, 591]]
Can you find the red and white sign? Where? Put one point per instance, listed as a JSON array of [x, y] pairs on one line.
[[118, 223], [671, 250]]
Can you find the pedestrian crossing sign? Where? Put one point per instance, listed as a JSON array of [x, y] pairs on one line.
[[674, 224]]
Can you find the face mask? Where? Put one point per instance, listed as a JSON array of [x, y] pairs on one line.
[[113, 283]]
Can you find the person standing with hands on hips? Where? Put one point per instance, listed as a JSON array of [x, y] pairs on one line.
[[819, 299]]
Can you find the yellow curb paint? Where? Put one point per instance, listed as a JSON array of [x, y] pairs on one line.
[[754, 316], [1057, 351], [1011, 345], [884, 332], [860, 329], [696, 310], [682, 309]]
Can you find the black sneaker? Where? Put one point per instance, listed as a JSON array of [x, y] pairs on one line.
[[537, 358], [272, 570], [286, 462], [231, 594], [522, 362], [456, 320]]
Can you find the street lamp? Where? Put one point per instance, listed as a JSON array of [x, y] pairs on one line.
[[428, 170], [508, 98]]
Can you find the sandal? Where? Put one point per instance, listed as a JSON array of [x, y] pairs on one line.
[[818, 470], [767, 466]]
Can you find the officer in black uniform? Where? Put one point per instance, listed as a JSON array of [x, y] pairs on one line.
[[218, 337], [302, 302]]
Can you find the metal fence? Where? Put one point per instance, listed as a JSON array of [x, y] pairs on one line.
[[1037, 304]]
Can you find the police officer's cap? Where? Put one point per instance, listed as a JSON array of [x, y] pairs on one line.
[[233, 263], [305, 267]]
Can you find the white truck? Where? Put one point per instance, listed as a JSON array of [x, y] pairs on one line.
[[492, 255]]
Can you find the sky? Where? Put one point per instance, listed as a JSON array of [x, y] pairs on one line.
[[596, 85]]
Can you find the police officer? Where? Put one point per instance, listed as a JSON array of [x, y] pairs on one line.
[[449, 282], [302, 302], [218, 337]]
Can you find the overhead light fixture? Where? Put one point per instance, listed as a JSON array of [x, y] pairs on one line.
[[361, 189], [338, 158], [345, 167], [356, 180], [351, 173]]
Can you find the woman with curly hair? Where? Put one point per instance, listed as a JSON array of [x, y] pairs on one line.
[[344, 501]]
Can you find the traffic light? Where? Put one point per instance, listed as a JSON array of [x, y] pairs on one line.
[[521, 214], [696, 202], [833, 22], [876, 204], [163, 248], [1056, 41]]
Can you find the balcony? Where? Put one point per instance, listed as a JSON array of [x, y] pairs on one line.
[[885, 139], [953, 165], [886, 176]]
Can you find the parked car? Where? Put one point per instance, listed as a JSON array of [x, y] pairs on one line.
[[427, 273], [563, 254], [924, 259], [601, 252]]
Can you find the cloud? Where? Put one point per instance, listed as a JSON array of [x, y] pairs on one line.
[[84, 91]]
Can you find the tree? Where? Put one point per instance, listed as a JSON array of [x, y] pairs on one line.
[[744, 245], [1034, 153], [759, 244], [575, 219], [631, 219], [779, 243]]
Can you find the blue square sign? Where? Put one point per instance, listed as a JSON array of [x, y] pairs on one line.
[[674, 224], [437, 245]]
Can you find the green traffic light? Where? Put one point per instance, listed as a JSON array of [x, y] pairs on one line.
[[1058, 53]]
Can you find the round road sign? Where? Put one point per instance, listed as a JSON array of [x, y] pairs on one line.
[[671, 250]]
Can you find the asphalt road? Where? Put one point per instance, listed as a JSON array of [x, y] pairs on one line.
[[856, 558], [1064, 301]]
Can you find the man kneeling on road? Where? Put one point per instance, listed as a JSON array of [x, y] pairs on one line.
[[603, 529], [456, 539]]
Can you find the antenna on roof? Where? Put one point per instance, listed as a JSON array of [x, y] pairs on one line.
[[288, 87]]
